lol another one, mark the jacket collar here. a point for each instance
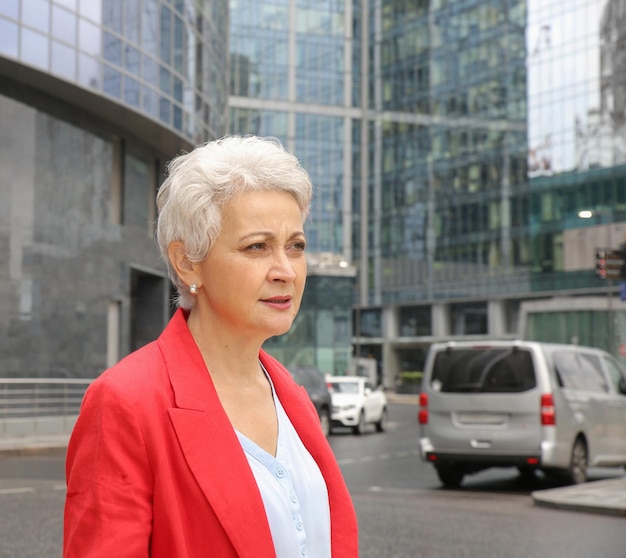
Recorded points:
(210, 446)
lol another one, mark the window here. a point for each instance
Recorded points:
(483, 370)
(138, 191)
(579, 371)
(415, 320)
(147, 307)
(618, 379)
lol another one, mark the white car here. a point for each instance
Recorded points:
(356, 403)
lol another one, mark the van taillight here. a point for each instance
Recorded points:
(548, 414)
(422, 414)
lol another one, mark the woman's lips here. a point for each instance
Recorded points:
(279, 302)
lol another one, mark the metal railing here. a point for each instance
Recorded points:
(39, 405)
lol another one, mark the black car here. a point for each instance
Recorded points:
(313, 381)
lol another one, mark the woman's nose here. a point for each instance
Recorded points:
(283, 268)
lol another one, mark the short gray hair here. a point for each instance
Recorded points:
(199, 184)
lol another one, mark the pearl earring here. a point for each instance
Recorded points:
(193, 289)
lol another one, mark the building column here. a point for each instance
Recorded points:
(440, 315)
(390, 365)
(496, 317)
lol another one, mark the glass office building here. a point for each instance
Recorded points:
(95, 97)
(291, 78)
(453, 145)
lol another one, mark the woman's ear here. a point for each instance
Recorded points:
(180, 262)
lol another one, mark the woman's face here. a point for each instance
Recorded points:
(253, 277)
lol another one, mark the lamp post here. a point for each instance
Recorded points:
(588, 214)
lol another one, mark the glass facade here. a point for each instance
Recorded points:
(290, 82)
(321, 333)
(452, 167)
(259, 49)
(451, 145)
(291, 67)
(452, 153)
(165, 59)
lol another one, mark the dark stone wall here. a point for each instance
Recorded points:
(63, 258)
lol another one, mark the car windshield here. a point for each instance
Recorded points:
(484, 369)
(345, 387)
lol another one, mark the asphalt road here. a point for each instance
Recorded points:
(403, 512)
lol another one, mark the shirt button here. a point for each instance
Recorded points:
(293, 497)
(299, 525)
(280, 472)
(303, 550)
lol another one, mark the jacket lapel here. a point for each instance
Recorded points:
(210, 445)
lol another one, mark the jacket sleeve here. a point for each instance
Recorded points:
(108, 507)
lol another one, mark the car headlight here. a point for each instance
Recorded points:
(339, 408)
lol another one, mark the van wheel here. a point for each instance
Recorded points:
(577, 471)
(359, 428)
(451, 476)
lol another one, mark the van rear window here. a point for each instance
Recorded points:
(484, 370)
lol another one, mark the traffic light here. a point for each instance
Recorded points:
(622, 269)
(611, 264)
(601, 263)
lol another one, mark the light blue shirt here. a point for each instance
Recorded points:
(294, 493)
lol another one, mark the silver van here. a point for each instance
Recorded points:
(536, 406)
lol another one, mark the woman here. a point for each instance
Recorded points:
(200, 444)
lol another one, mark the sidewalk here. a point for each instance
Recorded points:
(29, 445)
(607, 497)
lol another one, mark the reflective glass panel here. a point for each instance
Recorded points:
(131, 92)
(63, 25)
(91, 9)
(90, 37)
(36, 13)
(8, 38)
(70, 4)
(9, 8)
(89, 71)
(112, 81)
(34, 49)
(63, 60)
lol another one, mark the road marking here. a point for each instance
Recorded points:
(59, 487)
(22, 490)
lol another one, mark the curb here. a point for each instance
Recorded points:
(32, 451)
(36, 445)
(605, 497)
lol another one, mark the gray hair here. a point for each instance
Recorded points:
(201, 182)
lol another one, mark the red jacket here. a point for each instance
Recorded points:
(155, 469)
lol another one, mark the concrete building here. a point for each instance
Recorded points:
(95, 97)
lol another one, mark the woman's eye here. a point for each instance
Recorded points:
(256, 246)
(301, 245)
